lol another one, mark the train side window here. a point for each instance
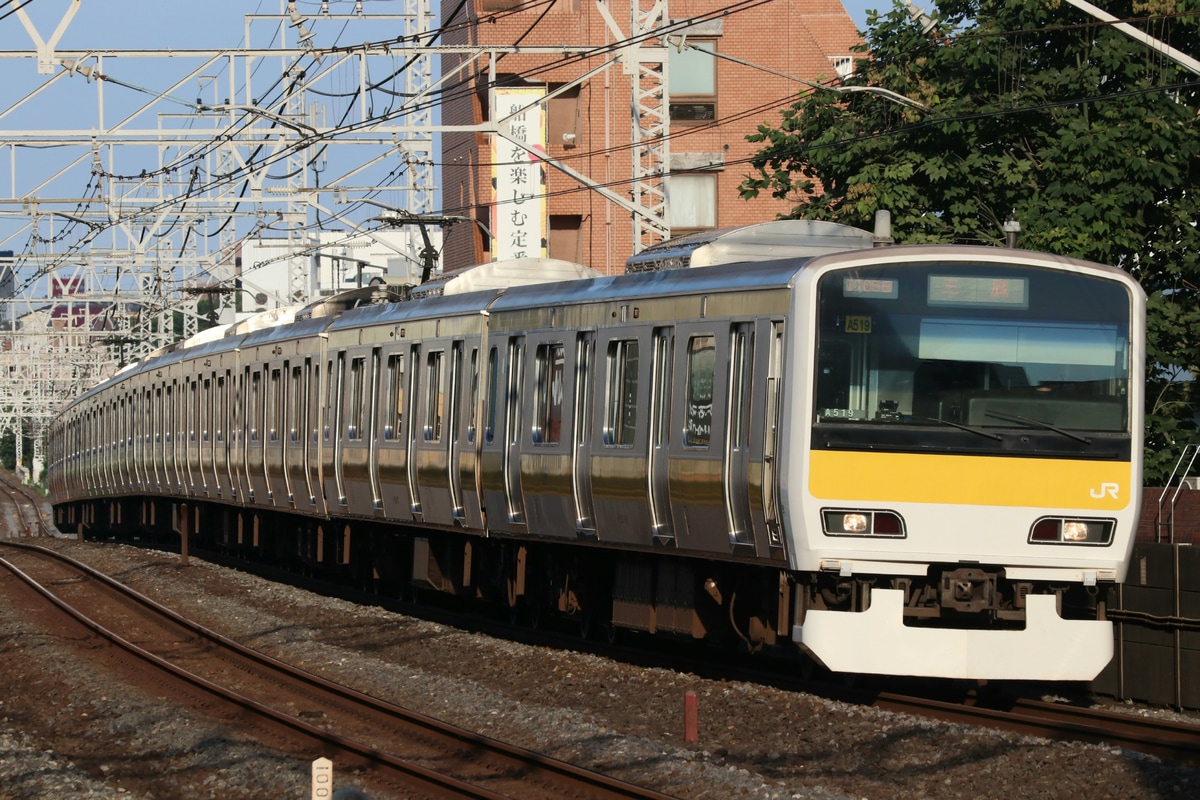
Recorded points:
(255, 405)
(489, 413)
(701, 364)
(434, 398)
(296, 405)
(474, 393)
(354, 409)
(313, 393)
(549, 394)
(223, 409)
(620, 413)
(274, 399)
(395, 419)
(169, 407)
(193, 400)
(205, 406)
(334, 402)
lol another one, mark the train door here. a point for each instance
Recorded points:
(294, 425)
(470, 491)
(333, 430)
(140, 422)
(697, 453)
(221, 475)
(207, 450)
(256, 491)
(736, 466)
(434, 440)
(546, 486)
(581, 475)
(414, 430)
(174, 485)
(310, 383)
(237, 436)
(453, 419)
(122, 483)
(357, 408)
(132, 437)
(770, 438)
(391, 457)
(619, 473)
(190, 398)
(512, 431)
(275, 442)
(658, 461)
(491, 443)
(137, 421)
(373, 432)
(156, 444)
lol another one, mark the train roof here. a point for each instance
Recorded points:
(725, 277)
(763, 241)
(503, 275)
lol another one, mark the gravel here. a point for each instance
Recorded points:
(68, 730)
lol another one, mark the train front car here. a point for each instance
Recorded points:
(968, 488)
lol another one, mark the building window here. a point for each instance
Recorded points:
(692, 82)
(692, 202)
(843, 65)
(565, 239)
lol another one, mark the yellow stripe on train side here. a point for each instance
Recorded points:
(970, 480)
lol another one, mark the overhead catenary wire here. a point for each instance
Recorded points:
(254, 165)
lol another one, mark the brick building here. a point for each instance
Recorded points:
(714, 104)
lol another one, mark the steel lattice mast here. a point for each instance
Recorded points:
(114, 221)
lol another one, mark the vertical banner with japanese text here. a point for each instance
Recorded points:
(519, 220)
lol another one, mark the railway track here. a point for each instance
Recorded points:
(1173, 741)
(1163, 738)
(27, 506)
(286, 705)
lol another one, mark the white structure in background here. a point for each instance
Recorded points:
(334, 261)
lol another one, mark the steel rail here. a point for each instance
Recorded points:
(564, 778)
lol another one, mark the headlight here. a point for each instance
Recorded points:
(1058, 530)
(854, 523)
(862, 522)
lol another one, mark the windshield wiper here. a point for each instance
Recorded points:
(961, 427)
(1037, 423)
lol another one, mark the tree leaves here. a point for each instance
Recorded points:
(1089, 138)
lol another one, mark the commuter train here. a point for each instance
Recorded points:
(902, 460)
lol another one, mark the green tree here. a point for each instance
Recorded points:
(1037, 112)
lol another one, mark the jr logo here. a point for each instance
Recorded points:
(1110, 489)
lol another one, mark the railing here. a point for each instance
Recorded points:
(1167, 524)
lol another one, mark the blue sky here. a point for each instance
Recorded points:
(858, 9)
(215, 23)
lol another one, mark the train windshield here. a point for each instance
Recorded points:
(977, 347)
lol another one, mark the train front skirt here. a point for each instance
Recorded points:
(1049, 648)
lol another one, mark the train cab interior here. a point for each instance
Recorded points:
(881, 360)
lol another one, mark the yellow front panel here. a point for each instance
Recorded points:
(970, 480)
